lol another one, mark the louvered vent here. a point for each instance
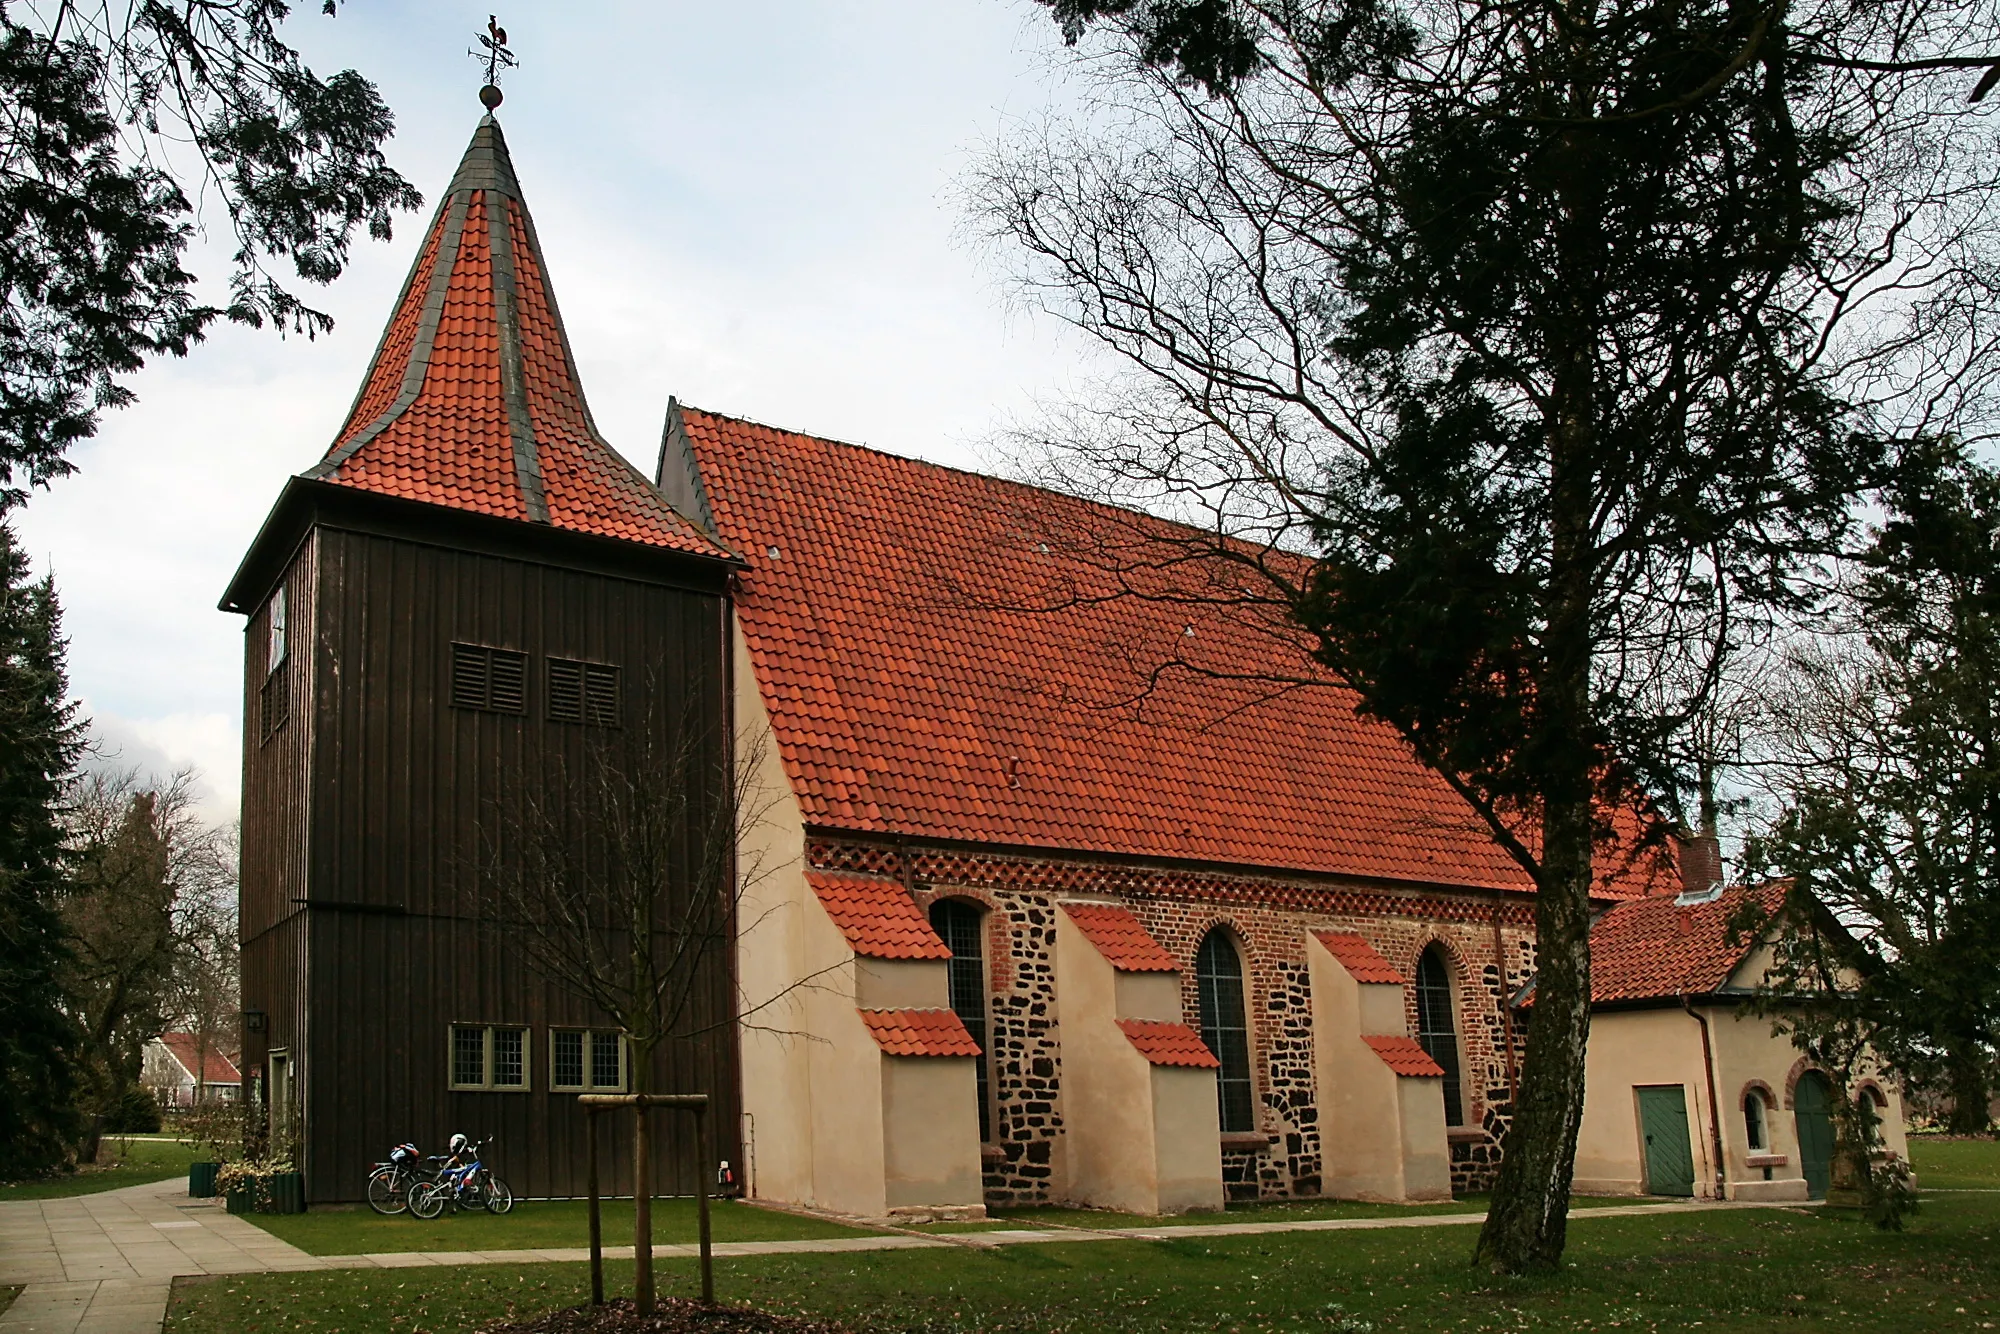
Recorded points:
(275, 702)
(565, 691)
(584, 692)
(491, 679)
(600, 695)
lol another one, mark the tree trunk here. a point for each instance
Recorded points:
(1527, 1225)
(1969, 1091)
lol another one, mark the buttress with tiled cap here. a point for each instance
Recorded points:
(473, 400)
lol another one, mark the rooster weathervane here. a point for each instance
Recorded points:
(497, 58)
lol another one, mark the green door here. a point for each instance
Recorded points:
(1812, 1104)
(1663, 1118)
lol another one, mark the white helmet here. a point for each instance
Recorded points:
(458, 1143)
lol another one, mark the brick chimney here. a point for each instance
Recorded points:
(1701, 864)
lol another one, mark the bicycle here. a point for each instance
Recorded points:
(470, 1185)
(390, 1183)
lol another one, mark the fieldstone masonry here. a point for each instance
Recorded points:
(1487, 937)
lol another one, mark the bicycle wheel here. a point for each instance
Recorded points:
(499, 1199)
(427, 1199)
(389, 1191)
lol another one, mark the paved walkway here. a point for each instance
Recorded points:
(105, 1263)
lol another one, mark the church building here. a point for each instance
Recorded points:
(1053, 881)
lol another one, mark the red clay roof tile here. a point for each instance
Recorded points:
(187, 1048)
(439, 418)
(1655, 948)
(938, 663)
(920, 1033)
(1359, 958)
(1120, 939)
(1405, 1056)
(1169, 1044)
(878, 916)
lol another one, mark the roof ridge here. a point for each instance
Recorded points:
(1013, 483)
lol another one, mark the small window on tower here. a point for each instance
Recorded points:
(276, 656)
(585, 1060)
(493, 680)
(489, 1056)
(584, 692)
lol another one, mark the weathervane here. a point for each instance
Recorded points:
(497, 57)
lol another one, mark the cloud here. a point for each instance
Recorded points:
(744, 205)
(209, 744)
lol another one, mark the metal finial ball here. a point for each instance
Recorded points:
(489, 97)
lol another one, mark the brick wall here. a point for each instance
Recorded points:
(1488, 939)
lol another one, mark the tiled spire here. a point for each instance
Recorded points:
(473, 399)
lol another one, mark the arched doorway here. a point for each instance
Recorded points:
(1812, 1111)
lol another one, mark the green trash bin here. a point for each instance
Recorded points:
(201, 1180)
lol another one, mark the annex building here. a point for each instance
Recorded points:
(1054, 881)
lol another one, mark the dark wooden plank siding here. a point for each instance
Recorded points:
(405, 819)
(273, 870)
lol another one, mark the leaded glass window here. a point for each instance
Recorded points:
(1225, 1027)
(961, 926)
(1437, 1028)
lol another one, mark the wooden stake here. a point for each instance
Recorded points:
(596, 1219)
(642, 1212)
(701, 1202)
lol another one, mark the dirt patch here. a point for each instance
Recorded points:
(670, 1316)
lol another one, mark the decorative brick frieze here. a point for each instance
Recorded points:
(1488, 940)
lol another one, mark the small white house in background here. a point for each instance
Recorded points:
(176, 1066)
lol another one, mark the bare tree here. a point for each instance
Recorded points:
(621, 883)
(150, 891)
(1521, 355)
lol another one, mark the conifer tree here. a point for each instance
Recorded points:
(40, 740)
(1882, 751)
(1519, 353)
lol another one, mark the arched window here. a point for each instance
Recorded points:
(1756, 1122)
(1874, 1106)
(961, 926)
(1225, 1027)
(1437, 1027)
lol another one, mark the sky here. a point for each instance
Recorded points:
(753, 206)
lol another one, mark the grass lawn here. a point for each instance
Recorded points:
(137, 1161)
(533, 1225)
(1962, 1164)
(1735, 1272)
(8, 1292)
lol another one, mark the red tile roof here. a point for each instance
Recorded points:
(1655, 948)
(473, 399)
(878, 916)
(186, 1049)
(1359, 958)
(920, 1033)
(939, 663)
(1405, 1056)
(1169, 1044)
(1120, 939)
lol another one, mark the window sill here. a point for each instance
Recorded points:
(1464, 1134)
(1766, 1160)
(992, 1153)
(1247, 1140)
